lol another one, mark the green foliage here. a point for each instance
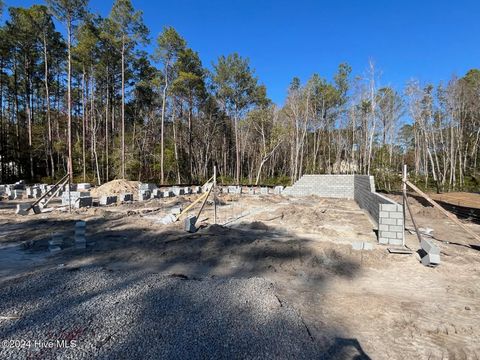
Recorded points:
(236, 85)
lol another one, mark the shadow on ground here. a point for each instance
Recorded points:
(143, 293)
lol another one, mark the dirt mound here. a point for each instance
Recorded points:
(116, 187)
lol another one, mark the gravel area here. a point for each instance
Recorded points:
(133, 315)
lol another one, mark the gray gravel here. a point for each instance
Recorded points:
(132, 315)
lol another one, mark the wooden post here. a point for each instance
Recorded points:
(214, 194)
(69, 195)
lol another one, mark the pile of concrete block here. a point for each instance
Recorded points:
(432, 257)
(264, 190)
(196, 189)
(278, 190)
(108, 200)
(79, 237)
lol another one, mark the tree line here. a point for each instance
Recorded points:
(94, 104)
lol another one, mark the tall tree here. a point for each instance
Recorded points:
(237, 89)
(129, 29)
(169, 45)
(68, 12)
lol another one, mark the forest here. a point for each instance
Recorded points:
(88, 100)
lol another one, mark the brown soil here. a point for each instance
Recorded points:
(390, 305)
(116, 187)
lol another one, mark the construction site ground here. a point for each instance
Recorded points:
(276, 278)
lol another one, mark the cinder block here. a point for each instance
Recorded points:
(22, 209)
(383, 227)
(144, 194)
(383, 214)
(396, 215)
(189, 223)
(367, 246)
(431, 260)
(357, 245)
(388, 207)
(178, 191)
(388, 234)
(147, 186)
(395, 228)
(400, 222)
(108, 200)
(388, 221)
(382, 240)
(82, 202)
(126, 197)
(429, 247)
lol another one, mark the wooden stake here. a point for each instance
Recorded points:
(446, 213)
(214, 194)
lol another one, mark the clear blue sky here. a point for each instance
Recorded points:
(424, 39)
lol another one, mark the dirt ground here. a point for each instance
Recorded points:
(369, 304)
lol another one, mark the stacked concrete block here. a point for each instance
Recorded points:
(17, 194)
(81, 202)
(83, 186)
(387, 214)
(178, 191)
(235, 190)
(55, 243)
(432, 257)
(79, 237)
(156, 194)
(278, 190)
(329, 186)
(147, 186)
(144, 194)
(33, 192)
(196, 189)
(251, 191)
(264, 190)
(108, 200)
(126, 197)
(187, 190)
(167, 193)
(72, 196)
(70, 187)
(390, 224)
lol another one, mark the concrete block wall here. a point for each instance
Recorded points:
(385, 213)
(332, 186)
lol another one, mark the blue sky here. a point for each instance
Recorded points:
(428, 40)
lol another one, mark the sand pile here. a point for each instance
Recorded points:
(116, 187)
